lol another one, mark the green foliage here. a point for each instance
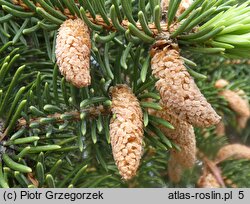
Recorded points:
(237, 171)
(46, 124)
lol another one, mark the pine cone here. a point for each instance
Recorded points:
(236, 151)
(236, 103)
(183, 135)
(126, 130)
(73, 48)
(178, 90)
(175, 171)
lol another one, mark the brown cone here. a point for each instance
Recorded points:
(73, 48)
(175, 171)
(236, 102)
(126, 130)
(236, 151)
(178, 90)
(183, 135)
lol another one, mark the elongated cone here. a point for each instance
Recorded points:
(183, 135)
(175, 171)
(126, 130)
(73, 48)
(236, 102)
(178, 90)
(236, 151)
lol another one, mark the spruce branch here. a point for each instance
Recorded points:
(92, 112)
(198, 27)
(98, 20)
(66, 144)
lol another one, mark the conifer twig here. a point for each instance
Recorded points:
(100, 21)
(92, 113)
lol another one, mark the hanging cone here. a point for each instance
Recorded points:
(126, 130)
(73, 48)
(236, 151)
(178, 90)
(236, 102)
(175, 171)
(183, 136)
